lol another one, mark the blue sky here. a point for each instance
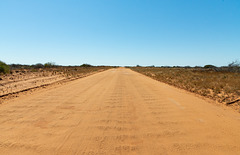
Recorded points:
(120, 32)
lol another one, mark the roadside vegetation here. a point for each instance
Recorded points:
(4, 68)
(219, 83)
(12, 71)
(16, 78)
(50, 67)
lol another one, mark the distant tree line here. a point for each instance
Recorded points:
(40, 65)
(231, 67)
(5, 68)
(34, 66)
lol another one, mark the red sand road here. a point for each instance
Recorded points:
(117, 111)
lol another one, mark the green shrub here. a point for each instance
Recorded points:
(209, 66)
(86, 65)
(4, 68)
(38, 65)
(49, 64)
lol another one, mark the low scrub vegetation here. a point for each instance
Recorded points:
(4, 68)
(50, 67)
(221, 84)
(20, 78)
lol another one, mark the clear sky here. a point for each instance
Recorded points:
(120, 32)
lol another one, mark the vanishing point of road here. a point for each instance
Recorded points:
(117, 111)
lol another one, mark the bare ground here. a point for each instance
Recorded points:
(24, 80)
(117, 111)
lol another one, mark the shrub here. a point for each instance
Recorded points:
(209, 66)
(86, 65)
(38, 65)
(234, 66)
(49, 64)
(4, 68)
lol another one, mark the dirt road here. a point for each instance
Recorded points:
(117, 111)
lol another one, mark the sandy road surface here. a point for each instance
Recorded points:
(116, 111)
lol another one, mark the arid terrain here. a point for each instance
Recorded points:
(219, 84)
(117, 111)
(20, 80)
